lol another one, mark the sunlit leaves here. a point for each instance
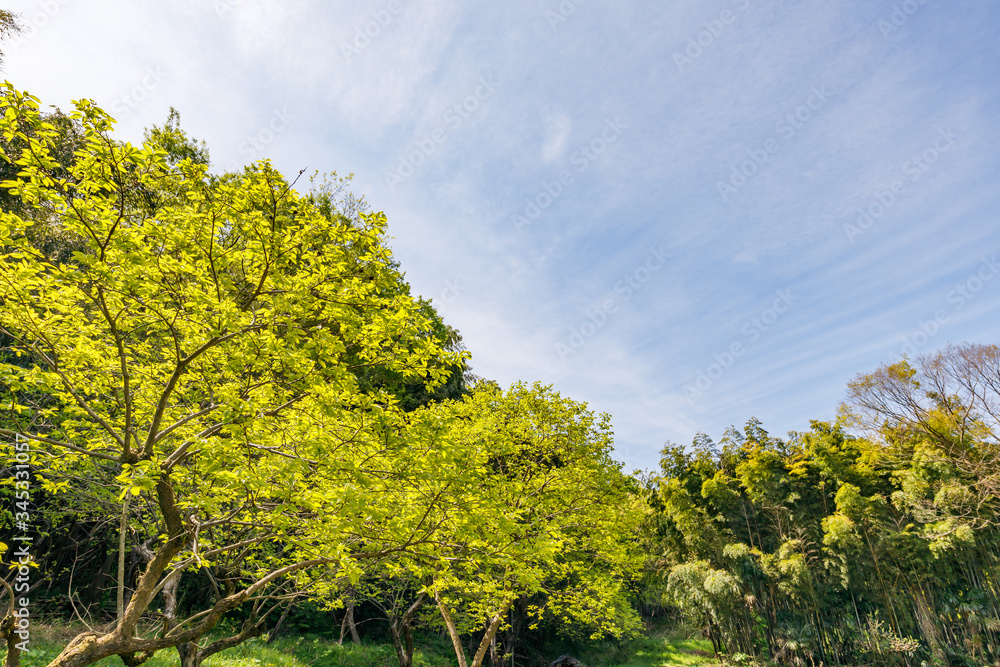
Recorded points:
(202, 344)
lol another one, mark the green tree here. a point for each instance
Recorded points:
(175, 142)
(8, 26)
(530, 516)
(546, 514)
(203, 351)
(940, 414)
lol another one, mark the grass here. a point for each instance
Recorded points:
(663, 652)
(656, 651)
(47, 641)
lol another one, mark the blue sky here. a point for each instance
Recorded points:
(686, 214)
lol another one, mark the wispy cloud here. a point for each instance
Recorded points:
(808, 111)
(557, 131)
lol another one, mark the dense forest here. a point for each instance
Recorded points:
(225, 416)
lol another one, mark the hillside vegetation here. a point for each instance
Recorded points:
(230, 435)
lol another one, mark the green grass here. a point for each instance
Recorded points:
(47, 642)
(431, 652)
(653, 652)
(663, 652)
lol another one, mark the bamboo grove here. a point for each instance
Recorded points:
(836, 549)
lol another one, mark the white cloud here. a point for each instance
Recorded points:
(557, 131)
(655, 185)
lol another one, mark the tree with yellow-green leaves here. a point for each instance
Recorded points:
(527, 517)
(208, 346)
(940, 411)
(537, 520)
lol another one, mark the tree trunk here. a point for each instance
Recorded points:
(449, 623)
(7, 631)
(196, 655)
(401, 629)
(343, 628)
(122, 528)
(711, 635)
(89, 647)
(277, 626)
(404, 657)
(519, 619)
(349, 621)
(928, 626)
(92, 594)
(484, 643)
(491, 632)
(188, 653)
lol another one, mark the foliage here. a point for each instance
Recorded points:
(236, 407)
(813, 549)
(203, 349)
(532, 519)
